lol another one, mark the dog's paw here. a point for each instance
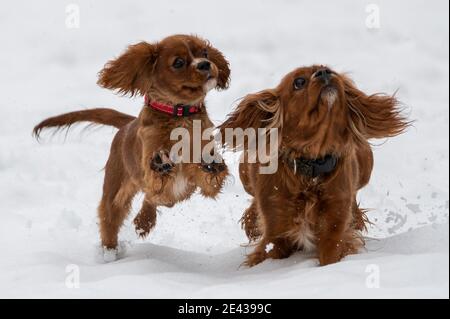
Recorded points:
(110, 255)
(161, 163)
(214, 167)
(331, 251)
(249, 223)
(143, 226)
(255, 258)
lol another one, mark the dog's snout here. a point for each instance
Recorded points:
(204, 66)
(324, 75)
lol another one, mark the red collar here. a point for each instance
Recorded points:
(179, 110)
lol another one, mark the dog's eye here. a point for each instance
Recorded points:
(299, 83)
(178, 63)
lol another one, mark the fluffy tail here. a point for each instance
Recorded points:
(96, 116)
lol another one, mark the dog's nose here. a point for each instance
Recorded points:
(204, 66)
(324, 75)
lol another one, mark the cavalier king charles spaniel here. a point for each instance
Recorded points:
(324, 158)
(174, 75)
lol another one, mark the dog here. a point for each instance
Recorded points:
(174, 75)
(324, 158)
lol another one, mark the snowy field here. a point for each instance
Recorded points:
(49, 191)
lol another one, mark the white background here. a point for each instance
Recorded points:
(49, 191)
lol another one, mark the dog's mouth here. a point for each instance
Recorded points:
(209, 84)
(329, 94)
(192, 89)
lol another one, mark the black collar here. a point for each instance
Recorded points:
(313, 167)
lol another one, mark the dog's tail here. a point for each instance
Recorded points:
(96, 116)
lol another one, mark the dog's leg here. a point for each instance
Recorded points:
(155, 161)
(118, 192)
(210, 178)
(360, 219)
(275, 248)
(275, 222)
(161, 162)
(249, 222)
(112, 212)
(336, 236)
(146, 219)
(158, 171)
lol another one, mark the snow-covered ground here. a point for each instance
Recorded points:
(49, 191)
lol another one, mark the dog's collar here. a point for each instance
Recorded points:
(179, 110)
(313, 167)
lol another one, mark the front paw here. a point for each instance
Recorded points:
(110, 255)
(255, 258)
(161, 163)
(330, 252)
(143, 225)
(214, 167)
(249, 222)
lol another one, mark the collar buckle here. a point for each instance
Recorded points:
(179, 110)
(183, 110)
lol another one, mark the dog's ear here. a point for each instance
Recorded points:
(258, 110)
(373, 116)
(131, 72)
(222, 64)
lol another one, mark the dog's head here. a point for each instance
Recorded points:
(178, 69)
(319, 111)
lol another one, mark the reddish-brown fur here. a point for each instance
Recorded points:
(147, 69)
(290, 211)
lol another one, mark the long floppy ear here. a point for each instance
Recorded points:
(258, 110)
(131, 72)
(373, 116)
(222, 64)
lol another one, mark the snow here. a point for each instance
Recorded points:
(49, 191)
(269, 247)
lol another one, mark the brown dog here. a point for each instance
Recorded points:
(174, 75)
(324, 124)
